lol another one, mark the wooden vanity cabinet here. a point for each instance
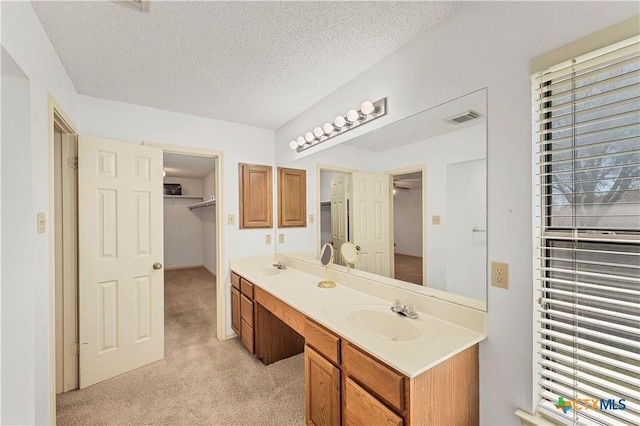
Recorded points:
(246, 314)
(322, 376)
(322, 389)
(372, 393)
(235, 303)
(292, 198)
(256, 196)
(346, 385)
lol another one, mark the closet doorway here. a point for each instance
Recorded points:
(193, 237)
(193, 231)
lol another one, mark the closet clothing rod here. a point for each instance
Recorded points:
(207, 203)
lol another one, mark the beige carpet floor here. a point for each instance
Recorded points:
(201, 381)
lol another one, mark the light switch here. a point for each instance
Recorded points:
(230, 219)
(41, 223)
(311, 218)
(281, 239)
(267, 239)
(435, 220)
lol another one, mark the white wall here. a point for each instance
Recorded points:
(208, 216)
(183, 228)
(483, 45)
(18, 310)
(466, 212)
(26, 41)
(407, 222)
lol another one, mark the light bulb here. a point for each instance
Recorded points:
(367, 107)
(293, 144)
(328, 128)
(353, 115)
(339, 122)
(300, 140)
(318, 132)
(309, 136)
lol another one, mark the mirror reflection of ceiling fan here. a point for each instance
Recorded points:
(400, 188)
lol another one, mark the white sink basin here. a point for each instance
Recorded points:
(379, 321)
(271, 270)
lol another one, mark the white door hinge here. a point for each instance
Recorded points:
(75, 349)
(73, 162)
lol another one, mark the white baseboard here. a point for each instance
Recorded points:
(210, 271)
(174, 268)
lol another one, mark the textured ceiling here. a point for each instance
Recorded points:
(256, 63)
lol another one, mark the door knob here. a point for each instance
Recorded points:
(157, 265)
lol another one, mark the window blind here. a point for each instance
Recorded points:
(586, 114)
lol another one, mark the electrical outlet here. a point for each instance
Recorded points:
(230, 219)
(41, 223)
(500, 274)
(281, 239)
(435, 220)
(267, 239)
(311, 219)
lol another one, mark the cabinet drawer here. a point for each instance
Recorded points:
(246, 288)
(375, 376)
(246, 310)
(322, 341)
(362, 408)
(235, 280)
(281, 310)
(246, 334)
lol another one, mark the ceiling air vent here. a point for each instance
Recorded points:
(461, 118)
(139, 5)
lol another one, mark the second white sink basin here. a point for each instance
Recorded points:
(381, 322)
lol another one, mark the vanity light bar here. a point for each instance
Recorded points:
(368, 111)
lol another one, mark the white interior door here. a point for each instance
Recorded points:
(371, 221)
(121, 294)
(339, 215)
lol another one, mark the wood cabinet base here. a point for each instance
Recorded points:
(275, 340)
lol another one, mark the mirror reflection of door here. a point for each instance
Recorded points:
(359, 211)
(408, 227)
(339, 214)
(369, 221)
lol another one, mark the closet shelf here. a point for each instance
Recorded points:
(185, 197)
(202, 204)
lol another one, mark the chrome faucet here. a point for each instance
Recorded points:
(279, 265)
(408, 311)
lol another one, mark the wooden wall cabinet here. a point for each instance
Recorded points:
(292, 198)
(256, 196)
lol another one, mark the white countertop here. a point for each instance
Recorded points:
(329, 307)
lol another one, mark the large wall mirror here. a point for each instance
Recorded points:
(411, 196)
